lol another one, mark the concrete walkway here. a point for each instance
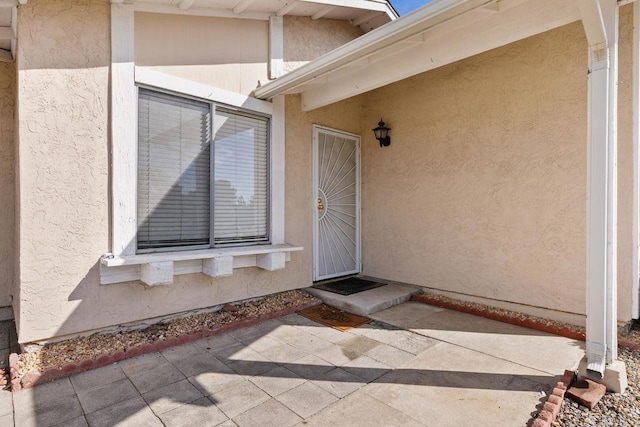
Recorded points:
(416, 365)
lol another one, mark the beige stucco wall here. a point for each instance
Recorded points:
(7, 181)
(230, 54)
(483, 189)
(64, 186)
(307, 39)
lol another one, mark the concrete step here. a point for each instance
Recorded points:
(367, 302)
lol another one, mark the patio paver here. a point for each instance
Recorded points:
(415, 365)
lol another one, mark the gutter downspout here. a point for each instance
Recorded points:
(600, 19)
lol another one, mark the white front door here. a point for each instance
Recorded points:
(336, 213)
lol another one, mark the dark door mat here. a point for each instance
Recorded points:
(334, 318)
(349, 286)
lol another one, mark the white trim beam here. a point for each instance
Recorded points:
(197, 11)
(288, 7)
(355, 4)
(600, 20)
(276, 46)
(123, 130)
(277, 171)
(471, 34)
(186, 4)
(242, 6)
(322, 12)
(365, 17)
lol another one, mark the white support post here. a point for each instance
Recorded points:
(600, 19)
(123, 130)
(278, 171)
(635, 287)
(276, 46)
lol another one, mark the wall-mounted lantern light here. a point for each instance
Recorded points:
(382, 134)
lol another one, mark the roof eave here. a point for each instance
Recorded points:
(428, 16)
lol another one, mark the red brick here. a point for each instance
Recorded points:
(539, 422)
(133, 352)
(69, 368)
(50, 375)
(103, 360)
(556, 400)
(118, 356)
(546, 415)
(553, 409)
(586, 392)
(568, 377)
(30, 379)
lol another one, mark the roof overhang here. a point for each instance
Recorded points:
(367, 14)
(8, 29)
(438, 34)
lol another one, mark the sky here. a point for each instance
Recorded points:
(405, 6)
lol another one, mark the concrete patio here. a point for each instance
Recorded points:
(416, 365)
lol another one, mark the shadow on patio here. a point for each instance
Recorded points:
(407, 370)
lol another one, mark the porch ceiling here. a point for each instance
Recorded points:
(438, 34)
(367, 14)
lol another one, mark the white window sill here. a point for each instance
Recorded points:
(160, 268)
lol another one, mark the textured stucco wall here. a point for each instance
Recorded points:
(231, 54)
(7, 181)
(307, 39)
(300, 198)
(63, 190)
(625, 166)
(483, 189)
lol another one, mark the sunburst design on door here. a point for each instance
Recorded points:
(337, 184)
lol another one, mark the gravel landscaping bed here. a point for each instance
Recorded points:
(613, 409)
(76, 350)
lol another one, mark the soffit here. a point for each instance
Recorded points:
(367, 14)
(435, 35)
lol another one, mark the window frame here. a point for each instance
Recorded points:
(122, 264)
(212, 108)
(124, 155)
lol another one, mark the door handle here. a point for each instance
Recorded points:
(319, 203)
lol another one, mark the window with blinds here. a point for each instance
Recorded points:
(241, 177)
(179, 175)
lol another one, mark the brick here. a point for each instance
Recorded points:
(568, 377)
(538, 422)
(546, 416)
(553, 409)
(30, 379)
(586, 392)
(117, 356)
(555, 400)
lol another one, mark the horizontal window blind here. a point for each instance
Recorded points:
(241, 172)
(173, 171)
